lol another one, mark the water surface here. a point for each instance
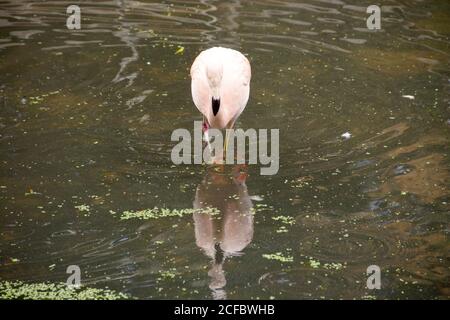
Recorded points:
(85, 123)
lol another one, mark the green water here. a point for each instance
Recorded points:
(85, 123)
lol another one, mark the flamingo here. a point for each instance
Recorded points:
(220, 86)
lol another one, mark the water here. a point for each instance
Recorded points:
(86, 118)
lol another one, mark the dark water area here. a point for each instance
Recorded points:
(86, 118)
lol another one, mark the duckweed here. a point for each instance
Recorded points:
(39, 99)
(333, 266)
(279, 257)
(157, 213)
(315, 264)
(282, 229)
(167, 274)
(83, 208)
(285, 219)
(10, 290)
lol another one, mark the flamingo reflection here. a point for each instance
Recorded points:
(229, 233)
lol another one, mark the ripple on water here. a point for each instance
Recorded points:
(63, 233)
(348, 247)
(306, 283)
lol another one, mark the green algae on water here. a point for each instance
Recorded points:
(278, 256)
(315, 264)
(39, 99)
(333, 266)
(168, 274)
(282, 229)
(285, 219)
(83, 208)
(260, 207)
(157, 213)
(13, 290)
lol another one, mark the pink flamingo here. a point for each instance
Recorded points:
(220, 87)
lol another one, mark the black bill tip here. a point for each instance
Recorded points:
(215, 105)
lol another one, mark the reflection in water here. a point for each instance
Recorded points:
(125, 35)
(230, 232)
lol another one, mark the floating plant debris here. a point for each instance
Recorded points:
(285, 219)
(39, 99)
(279, 257)
(316, 264)
(157, 213)
(167, 274)
(180, 50)
(83, 208)
(54, 291)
